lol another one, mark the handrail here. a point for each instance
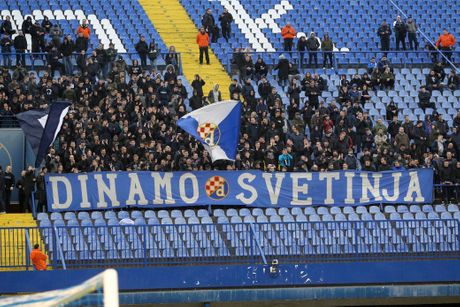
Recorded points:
(259, 247)
(297, 54)
(59, 248)
(28, 250)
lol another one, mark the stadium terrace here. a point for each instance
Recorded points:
(153, 189)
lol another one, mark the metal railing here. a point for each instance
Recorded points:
(345, 59)
(242, 243)
(40, 60)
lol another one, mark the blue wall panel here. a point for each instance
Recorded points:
(205, 277)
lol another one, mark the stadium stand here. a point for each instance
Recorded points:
(228, 235)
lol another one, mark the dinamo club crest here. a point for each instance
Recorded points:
(217, 188)
(209, 133)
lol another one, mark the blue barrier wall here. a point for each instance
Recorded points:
(207, 277)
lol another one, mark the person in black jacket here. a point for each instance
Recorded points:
(384, 32)
(20, 45)
(41, 194)
(283, 70)
(29, 185)
(447, 179)
(209, 24)
(197, 85)
(226, 20)
(46, 24)
(2, 189)
(420, 137)
(453, 81)
(81, 44)
(424, 97)
(27, 25)
(301, 48)
(6, 27)
(66, 49)
(313, 46)
(400, 32)
(9, 185)
(142, 49)
(5, 44)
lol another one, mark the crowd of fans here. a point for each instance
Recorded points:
(124, 117)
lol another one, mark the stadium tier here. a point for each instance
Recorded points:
(164, 236)
(352, 25)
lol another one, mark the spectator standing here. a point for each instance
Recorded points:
(197, 85)
(202, 39)
(9, 182)
(384, 32)
(110, 57)
(66, 49)
(85, 32)
(26, 26)
(283, 70)
(153, 54)
(313, 46)
(400, 32)
(6, 44)
(288, 33)
(6, 27)
(2, 191)
(209, 24)
(142, 49)
(327, 46)
(20, 45)
(56, 35)
(301, 48)
(28, 186)
(38, 258)
(412, 33)
(81, 44)
(226, 20)
(46, 24)
(446, 43)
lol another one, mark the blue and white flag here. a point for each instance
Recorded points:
(41, 127)
(217, 127)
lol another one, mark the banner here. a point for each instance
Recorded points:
(115, 190)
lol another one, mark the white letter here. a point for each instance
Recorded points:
(110, 191)
(247, 187)
(68, 189)
(84, 191)
(395, 196)
(183, 195)
(329, 176)
(273, 193)
(414, 187)
(367, 186)
(162, 183)
(296, 188)
(135, 188)
(349, 200)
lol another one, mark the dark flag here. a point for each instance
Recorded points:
(41, 127)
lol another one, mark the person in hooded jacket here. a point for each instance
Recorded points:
(27, 25)
(283, 70)
(312, 47)
(20, 45)
(301, 48)
(327, 46)
(66, 49)
(142, 49)
(6, 27)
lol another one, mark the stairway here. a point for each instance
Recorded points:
(177, 29)
(12, 240)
